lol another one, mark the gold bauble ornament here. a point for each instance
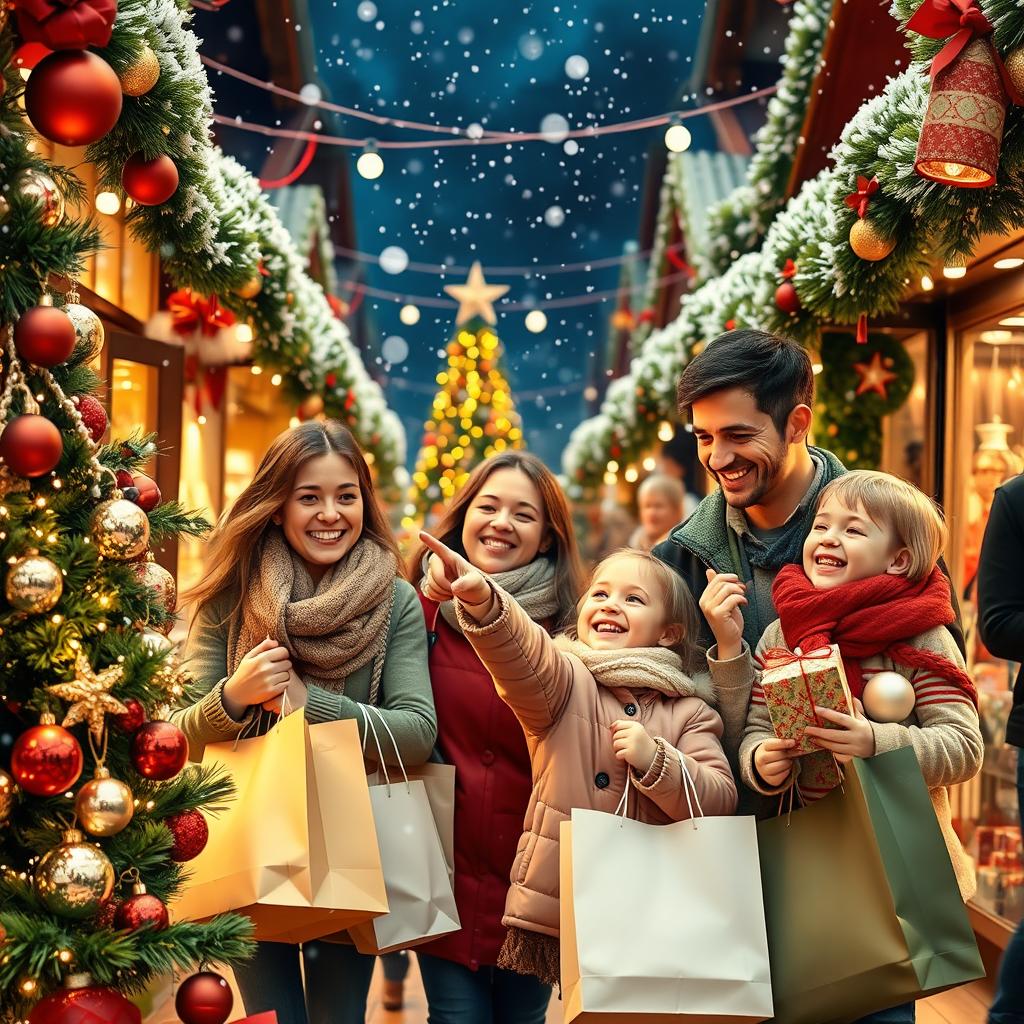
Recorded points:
(251, 288)
(88, 332)
(5, 208)
(120, 530)
(41, 189)
(157, 578)
(34, 584)
(888, 697)
(75, 878)
(868, 243)
(1014, 64)
(141, 75)
(8, 791)
(105, 805)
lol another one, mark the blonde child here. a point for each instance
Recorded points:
(870, 584)
(615, 699)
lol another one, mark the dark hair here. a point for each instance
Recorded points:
(775, 371)
(563, 553)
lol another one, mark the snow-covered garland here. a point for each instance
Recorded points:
(737, 224)
(218, 230)
(930, 221)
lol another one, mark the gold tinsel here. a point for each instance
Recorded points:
(868, 243)
(141, 75)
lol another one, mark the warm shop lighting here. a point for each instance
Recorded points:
(678, 138)
(996, 337)
(536, 321)
(110, 202)
(927, 284)
(817, 368)
(665, 431)
(409, 315)
(243, 333)
(954, 273)
(610, 478)
(1012, 321)
(613, 466)
(631, 475)
(276, 380)
(650, 464)
(370, 165)
(256, 370)
(1009, 263)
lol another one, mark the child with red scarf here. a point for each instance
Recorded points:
(868, 583)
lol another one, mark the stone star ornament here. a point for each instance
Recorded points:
(476, 297)
(874, 376)
(90, 695)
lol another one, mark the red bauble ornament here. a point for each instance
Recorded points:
(190, 833)
(107, 913)
(124, 479)
(73, 97)
(94, 416)
(133, 718)
(46, 760)
(159, 750)
(149, 182)
(44, 336)
(81, 1002)
(787, 299)
(142, 909)
(149, 493)
(204, 998)
(31, 445)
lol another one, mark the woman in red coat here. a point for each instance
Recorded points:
(510, 520)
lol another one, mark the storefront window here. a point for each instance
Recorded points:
(907, 435)
(133, 391)
(988, 449)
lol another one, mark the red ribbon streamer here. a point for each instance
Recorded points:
(865, 190)
(789, 270)
(862, 329)
(297, 171)
(191, 313)
(963, 21)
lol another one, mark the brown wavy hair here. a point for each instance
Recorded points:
(563, 551)
(233, 551)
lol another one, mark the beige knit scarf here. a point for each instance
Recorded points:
(532, 585)
(639, 668)
(332, 628)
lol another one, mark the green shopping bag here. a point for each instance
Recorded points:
(862, 906)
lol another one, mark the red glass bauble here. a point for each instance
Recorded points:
(132, 718)
(94, 416)
(92, 1004)
(159, 750)
(204, 998)
(141, 910)
(73, 97)
(787, 299)
(149, 493)
(44, 336)
(46, 760)
(105, 917)
(190, 833)
(31, 445)
(149, 182)
(124, 479)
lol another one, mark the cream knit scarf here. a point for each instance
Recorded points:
(639, 668)
(330, 629)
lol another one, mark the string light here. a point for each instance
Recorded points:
(665, 431)
(677, 137)
(409, 314)
(631, 474)
(108, 202)
(927, 284)
(370, 164)
(650, 464)
(536, 321)
(953, 272)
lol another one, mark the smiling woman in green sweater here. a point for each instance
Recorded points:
(304, 605)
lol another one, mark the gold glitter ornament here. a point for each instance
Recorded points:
(868, 243)
(34, 584)
(88, 332)
(42, 190)
(90, 693)
(1014, 64)
(105, 805)
(142, 74)
(251, 288)
(120, 530)
(8, 791)
(75, 878)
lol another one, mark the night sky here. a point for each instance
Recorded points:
(503, 66)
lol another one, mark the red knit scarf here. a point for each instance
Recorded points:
(869, 617)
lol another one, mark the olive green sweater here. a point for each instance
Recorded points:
(406, 699)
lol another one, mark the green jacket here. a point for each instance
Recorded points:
(406, 699)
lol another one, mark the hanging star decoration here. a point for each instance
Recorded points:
(89, 693)
(475, 297)
(875, 375)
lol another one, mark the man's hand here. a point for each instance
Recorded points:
(633, 744)
(774, 762)
(450, 575)
(721, 603)
(854, 736)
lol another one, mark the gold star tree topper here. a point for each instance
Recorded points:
(90, 696)
(475, 297)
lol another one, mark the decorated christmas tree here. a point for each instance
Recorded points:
(98, 813)
(473, 414)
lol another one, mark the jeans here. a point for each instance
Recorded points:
(337, 982)
(905, 1014)
(490, 995)
(1009, 1005)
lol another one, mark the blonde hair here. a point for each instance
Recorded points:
(667, 486)
(680, 607)
(890, 501)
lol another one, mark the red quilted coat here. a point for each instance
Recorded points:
(479, 734)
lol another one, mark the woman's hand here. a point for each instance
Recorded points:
(774, 762)
(263, 674)
(633, 744)
(450, 575)
(854, 736)
(721, 603)
(293, 697)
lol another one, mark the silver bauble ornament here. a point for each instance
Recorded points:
(154, 642)
(120, 530)
(34, 584)
(157, 578)
(105, 805)
(42, 190)
(888, 697)
(88, 332)
(8, 791)
(75, 878)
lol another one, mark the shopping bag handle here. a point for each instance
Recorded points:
(689, 786)
(369, 727)
(622, 810)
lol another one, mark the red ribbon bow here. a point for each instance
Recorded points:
(66, 24)
(963, 21)
(865, 190)
(191, 313)
(789, 270)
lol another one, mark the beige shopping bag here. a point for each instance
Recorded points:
(296, 849)
(421, 900)
(662, 923)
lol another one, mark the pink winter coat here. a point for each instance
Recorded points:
(567, 716)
